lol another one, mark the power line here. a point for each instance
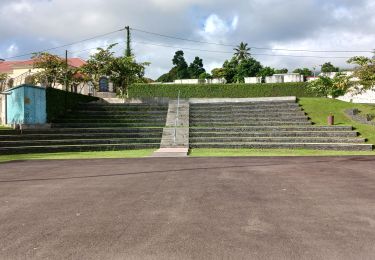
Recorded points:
(230, 52)
(253, 47)
(66, 45)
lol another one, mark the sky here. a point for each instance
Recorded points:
(269, 25)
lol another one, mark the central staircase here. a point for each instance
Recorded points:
(93, 127)
(265, 124)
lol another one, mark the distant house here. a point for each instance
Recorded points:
(18, 71)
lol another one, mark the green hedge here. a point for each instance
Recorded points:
(59, 101)
(220, 90)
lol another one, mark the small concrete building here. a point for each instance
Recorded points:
(189, 81)
(216, 81)
(277, 78)
(285, 78)
(293, 77)
(253, 80)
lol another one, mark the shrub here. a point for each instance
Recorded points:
(59, 101)
(220, 90)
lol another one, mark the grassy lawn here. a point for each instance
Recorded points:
(271, 152)
(79, 155)
(318, 110)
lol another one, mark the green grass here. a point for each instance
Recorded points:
(271, 152)
(318, 109)
(79, 155)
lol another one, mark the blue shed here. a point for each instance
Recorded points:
(26, 105)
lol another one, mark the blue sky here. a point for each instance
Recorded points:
(32, 25)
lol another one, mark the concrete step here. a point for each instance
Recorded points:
(95, 130)
(249, 123)
(78, 142)
(247, 118)
(270, 128)
(97, 125)
(112, 120)
(275, 134)
(79, 136)
(121, 108)
(76, 148)
(115, 113)
(247, 113)
(116, 116)
(193, 140)
(315, 146)
(231, 105)
(261, 108)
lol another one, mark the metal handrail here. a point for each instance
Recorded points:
(176, 119)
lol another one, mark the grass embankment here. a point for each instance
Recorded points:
(79, 155)
(318, 109)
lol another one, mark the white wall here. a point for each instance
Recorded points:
(253, 80)
(366, 97)
(189, 81)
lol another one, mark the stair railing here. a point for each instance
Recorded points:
(176, 119)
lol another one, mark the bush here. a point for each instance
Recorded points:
(220, 90)
(59, 101)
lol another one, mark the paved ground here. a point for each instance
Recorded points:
(189, 208)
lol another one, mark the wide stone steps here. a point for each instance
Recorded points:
(248, 123)
(95, 128)
(77, 142)
(247, 118)
(77, 148)
(275, 140)
(277, 145)
(60, 136)
(270, 128)
(265, 125)
(96, 125)
(275, 134)
(111, 120)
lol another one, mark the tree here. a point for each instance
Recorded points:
(281, 71)
(266, 72)
(247, 68)
(325, 86)
(328, 67)
(196, 68)
(126, 71)
(181, 65)
(52, 67)
(218, 73)
(205, 75)
(305, 72)
(99, 65)
(230, 70)
(365, 72)
(242, 52)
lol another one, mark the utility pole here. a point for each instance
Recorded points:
(66, 70)
(128, 51)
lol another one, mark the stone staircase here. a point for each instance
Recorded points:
(93, 127)
(267, 124)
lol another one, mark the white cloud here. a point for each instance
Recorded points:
(12, 50)
(31, 25)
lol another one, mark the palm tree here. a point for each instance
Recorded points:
(242, 51)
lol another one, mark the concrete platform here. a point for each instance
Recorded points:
(189, 208)
(171, 152)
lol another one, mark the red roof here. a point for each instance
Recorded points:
(8, 66)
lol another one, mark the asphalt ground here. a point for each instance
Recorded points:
(189, 208)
